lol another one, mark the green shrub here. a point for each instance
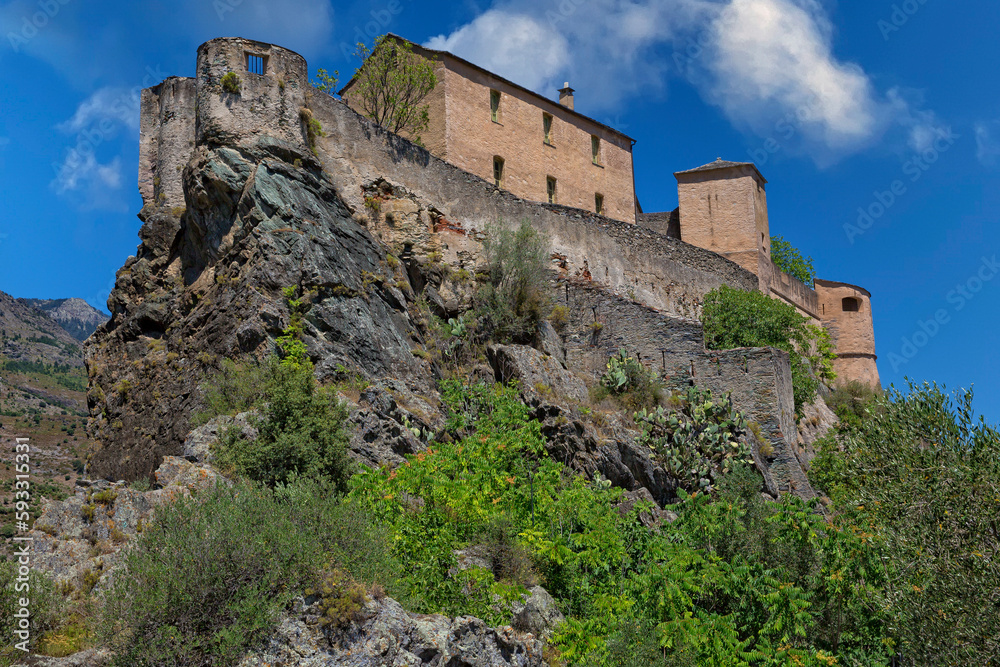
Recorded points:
(46, 606)
(789, 259)
(231, 83)
(300, 433)
(921, 475)
(210, 574)
(734, 318)
(236, 387)
(341, 598)
(851, 401)
(515, 296)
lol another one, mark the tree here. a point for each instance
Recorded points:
(789, 259)
(734, 318)
(391, 84)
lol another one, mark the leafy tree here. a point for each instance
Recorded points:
(734, 318)
(325, 81)
(391, 83)
(514, 298)
(920, 477)
(789, 259)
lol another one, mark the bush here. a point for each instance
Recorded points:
(789, 259)
(300, 432)
(734, 318)
(699, 443)
(236, 388)
(210, 574)
(921, 476)
(46, 606)
(514, 299)
(851, 401)
(231, 83)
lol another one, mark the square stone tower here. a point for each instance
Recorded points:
(723, 208)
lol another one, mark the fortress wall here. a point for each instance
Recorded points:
(666, 223)
(166, 140)
(759, 379)
(795, 292)
(665, 273)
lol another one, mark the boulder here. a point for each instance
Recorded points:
(537, 613)
(386, 635)
(198, 444)
(542, 377)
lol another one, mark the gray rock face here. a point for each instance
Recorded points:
(86, 531)
(538, 613)
(90, 658)
(198, 444)
(207, 283)
(388, 636)
(541, 377)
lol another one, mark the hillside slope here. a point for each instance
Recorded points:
(76, 316)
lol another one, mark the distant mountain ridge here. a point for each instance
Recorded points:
(32, 335)
(76, 316)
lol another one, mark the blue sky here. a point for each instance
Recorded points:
(887, 108)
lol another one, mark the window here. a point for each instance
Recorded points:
(495, 106)
(599, 203)
(595, 149)
(255, 64)
(851, 305)
(550, 187)
(498, 171)
(547, 127)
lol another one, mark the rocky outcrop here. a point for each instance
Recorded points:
(77, 540)
(206, 283)
(388, 636)
(537, 613)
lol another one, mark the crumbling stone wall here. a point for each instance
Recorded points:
(759, 379)
(665, 273)
(166, 140)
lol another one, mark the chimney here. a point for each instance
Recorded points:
(566, 96)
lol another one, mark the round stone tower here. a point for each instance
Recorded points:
(264, 90)
(846, 312)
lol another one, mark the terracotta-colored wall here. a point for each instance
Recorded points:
(474, 139)
(725, 210)
(853, 333)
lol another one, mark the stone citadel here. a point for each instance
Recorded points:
(627, 278)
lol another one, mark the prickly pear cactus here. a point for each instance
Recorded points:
(697, 443)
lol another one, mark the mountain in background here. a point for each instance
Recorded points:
(76, 316)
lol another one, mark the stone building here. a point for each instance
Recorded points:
(723, 208)
(534, 147)
(719, 233)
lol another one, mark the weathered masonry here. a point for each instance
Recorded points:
(723, 208)
(534, 147)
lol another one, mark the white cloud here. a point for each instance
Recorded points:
(82, 171)
(105, 108)
(988, 142)
(759, 61)
(514, 46)
(770, 57)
